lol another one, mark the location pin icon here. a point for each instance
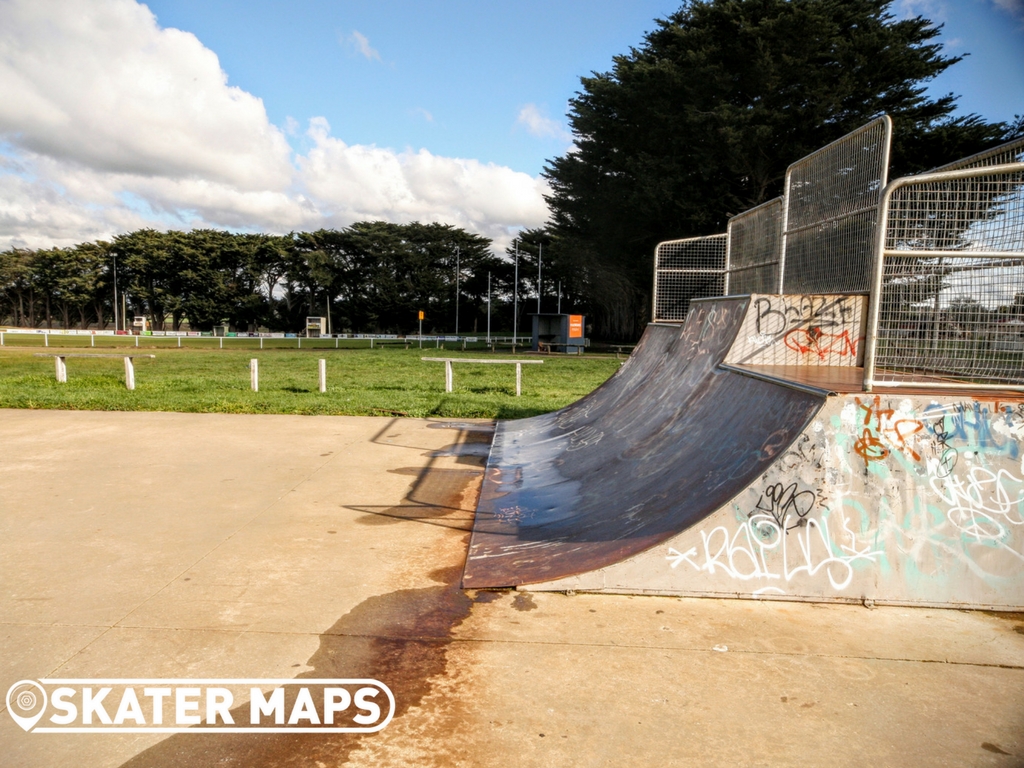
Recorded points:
(23, 700)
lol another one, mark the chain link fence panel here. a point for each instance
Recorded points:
(1004, 154)
(687, 269)
(831, 212)
(754, 249)
(949, 290)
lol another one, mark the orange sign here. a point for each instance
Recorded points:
(421, 314)
(575, 326)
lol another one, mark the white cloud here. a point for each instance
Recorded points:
(362, 46)
(100, 84)
(423, 113)
(1013, 7)
(352, 182)
(536, 124)
(109, 123)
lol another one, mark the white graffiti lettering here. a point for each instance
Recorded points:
(744, 554)
(979, 503)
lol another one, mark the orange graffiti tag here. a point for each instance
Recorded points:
(879, 422)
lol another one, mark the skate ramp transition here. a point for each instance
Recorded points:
(690, 473)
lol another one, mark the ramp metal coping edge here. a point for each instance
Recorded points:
(808, 388)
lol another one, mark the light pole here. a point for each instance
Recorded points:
(515, 302)
(456, 290)
(540, 259)
(488, 308)
(116, 329)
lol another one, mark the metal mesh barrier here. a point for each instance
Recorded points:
(754, 250)
(948, 305)
(687, 269)
(1004, 154)
(832, 198)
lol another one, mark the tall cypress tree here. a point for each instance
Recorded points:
(700, 122)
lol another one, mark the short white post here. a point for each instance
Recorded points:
(371, 343)
(519, 379)
(62, 369)
(300, 342)
(136, 341)
(322, 375)
(1, 338)
(222, 342)
(46, 339)
(254, 374)
(129, 372)
(335, 342)
(261, 342)
(93, 340)
(447, 375)
(179, 342)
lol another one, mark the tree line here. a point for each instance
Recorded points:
(371, 277)
(700, 121)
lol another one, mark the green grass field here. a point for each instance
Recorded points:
(207, 379)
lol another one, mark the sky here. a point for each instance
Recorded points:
(271, 116)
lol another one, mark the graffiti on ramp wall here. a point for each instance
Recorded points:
(905, 499)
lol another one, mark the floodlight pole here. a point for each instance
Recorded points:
(116, 329)
(456, 290)
(515, 302)
(488, 308)
(559, 297)
(540, 259)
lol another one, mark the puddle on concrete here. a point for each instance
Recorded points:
(436, 495)
(400, 638)
(487, 596)
(523, 601)
(434, 498)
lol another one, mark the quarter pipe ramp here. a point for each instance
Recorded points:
(683, 476)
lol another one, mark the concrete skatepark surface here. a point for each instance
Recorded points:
(181, 545)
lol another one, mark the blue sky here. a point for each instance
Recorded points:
(278, 116)
(449, 76)
(454, 76)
